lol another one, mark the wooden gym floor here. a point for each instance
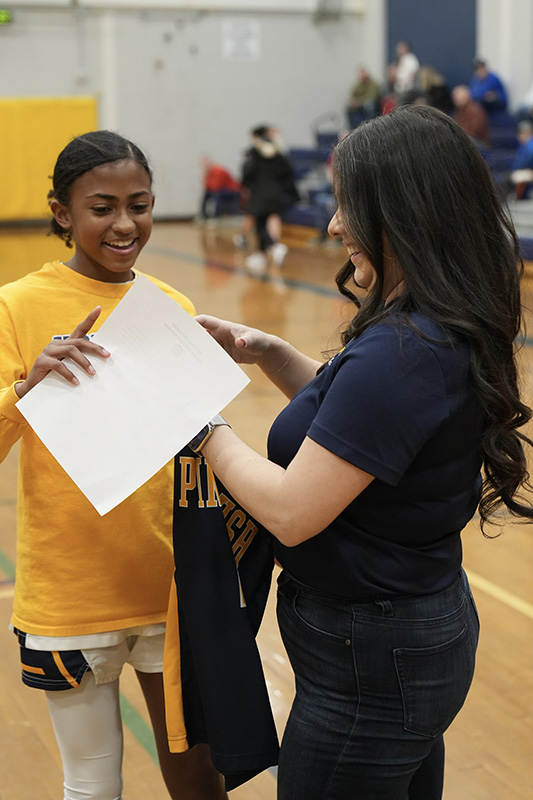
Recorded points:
(489, 746)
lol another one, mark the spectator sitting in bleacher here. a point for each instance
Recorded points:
(324, 204)
(471, 116)
(407, 66)
(389, 100)
(220, 187)
(522, 166)
(487, 88)
(364, 99)
(525, 109)
(434, 89)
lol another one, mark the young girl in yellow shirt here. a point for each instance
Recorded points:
(91, 592)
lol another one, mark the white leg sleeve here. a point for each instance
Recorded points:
(88, 729)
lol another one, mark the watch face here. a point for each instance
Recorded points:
(199, 439)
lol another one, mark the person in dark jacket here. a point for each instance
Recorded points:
(267, 176)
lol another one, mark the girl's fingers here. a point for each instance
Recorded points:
(79, 335)
(81, 330)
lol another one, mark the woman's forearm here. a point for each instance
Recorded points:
(286, 367)
(295, 503)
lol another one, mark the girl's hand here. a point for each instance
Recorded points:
(245, 345)
(51, 359)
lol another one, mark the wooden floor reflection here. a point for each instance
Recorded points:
(489, 746)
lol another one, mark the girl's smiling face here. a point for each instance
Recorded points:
(110, 215)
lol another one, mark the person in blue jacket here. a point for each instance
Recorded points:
(523, 158)
(383, 455)
(487, 88)
(521, 176)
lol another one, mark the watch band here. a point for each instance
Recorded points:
(198, 441)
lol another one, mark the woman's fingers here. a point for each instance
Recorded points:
(242, 343)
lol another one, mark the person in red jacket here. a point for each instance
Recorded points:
(219, 186)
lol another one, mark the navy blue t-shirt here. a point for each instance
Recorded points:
(402, 408)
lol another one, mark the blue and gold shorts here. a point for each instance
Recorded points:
(52, 670)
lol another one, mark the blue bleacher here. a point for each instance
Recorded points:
(499, 158)
(325, 142)
(303, 159)
(526, 248)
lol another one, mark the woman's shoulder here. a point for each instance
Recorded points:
(409, 336)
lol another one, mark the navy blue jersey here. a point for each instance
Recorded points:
(403, 408)
(224, 562)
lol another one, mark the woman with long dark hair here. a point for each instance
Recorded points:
(382, 456)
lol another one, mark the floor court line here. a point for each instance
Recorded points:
(202, 261)
(492, 589)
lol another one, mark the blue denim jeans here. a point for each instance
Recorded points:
(377, 684)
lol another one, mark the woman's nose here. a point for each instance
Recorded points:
(334, 227)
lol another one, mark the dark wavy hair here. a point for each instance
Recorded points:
(82, 154)
(414, 179)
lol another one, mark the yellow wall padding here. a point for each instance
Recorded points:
(33, 131)
(26, 249)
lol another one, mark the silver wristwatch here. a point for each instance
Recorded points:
(198, 441)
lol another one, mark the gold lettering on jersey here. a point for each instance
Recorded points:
(187, 479)
(227, 504)
(199, 484)
(195, 473)
(244, 540)
(241, 530)
(212, 490)
(197, 476)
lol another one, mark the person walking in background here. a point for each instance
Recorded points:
(268, 177)
(382, 456)
(91, 591)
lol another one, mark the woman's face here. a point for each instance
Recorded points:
(364, 273)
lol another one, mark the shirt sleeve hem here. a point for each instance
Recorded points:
(356, 457)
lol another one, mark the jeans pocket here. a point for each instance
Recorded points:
(434, 682)
(317, 614)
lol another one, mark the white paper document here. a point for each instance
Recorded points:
(165, 378)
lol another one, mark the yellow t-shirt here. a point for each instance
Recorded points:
(77, 572)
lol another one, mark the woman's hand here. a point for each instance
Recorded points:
(285, 366)
(75, 348)
(245, 345)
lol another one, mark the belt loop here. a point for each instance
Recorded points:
(386, 607)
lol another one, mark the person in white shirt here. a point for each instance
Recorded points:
(407, 66)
